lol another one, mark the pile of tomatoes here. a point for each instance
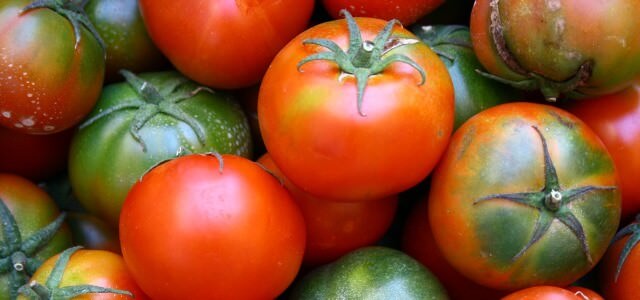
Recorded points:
(336, 149)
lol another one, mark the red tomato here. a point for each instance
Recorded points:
(336, 228)
(224, 43)
(97, 268)
(584, 293)
(552, 293)
(36, 157)
(405, 11)
(616, 120)
(190, 229)
(335, 138)
(621, 265)
(49, 77)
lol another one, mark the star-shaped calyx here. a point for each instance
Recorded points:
(150, 101)
(551, 202)
(72, 10)
(52, 290)
(18, 255)
(363, 58)
(633, 230)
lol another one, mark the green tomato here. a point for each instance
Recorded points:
(142, 122)
(371, 273)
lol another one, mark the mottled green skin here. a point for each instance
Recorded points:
(128, 44)
(105, 160)
(473, 92)
(371, 273)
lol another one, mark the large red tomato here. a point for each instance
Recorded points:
(616, 120)
(347, 118)
(224, 43)
(405, 11)
(525, 195)
(194, 229)
(50, 77)
(336, 228)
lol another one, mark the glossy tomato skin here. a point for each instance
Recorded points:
(36, 157)
(312, 128)
(405, 11)
(128, 44)
(93, 267)
(235, 233)
(32, 210)
(626, 286)
(336, 228)
(46, 85)
(105, 159)
(419, 243)
(616, 120)
(550, 293)
(554, 38)
(224, 43)
(496, 157)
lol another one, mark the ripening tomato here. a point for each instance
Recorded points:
(525, 195)
(405, 11)
(349, 119)
(336, 228)
(50, 77)
(621, 265)
(616, 120)
(201, 227)
(224, 43)
(552, 293)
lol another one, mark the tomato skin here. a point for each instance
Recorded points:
(618, 126)
(93, 267)
(627, 286)
(554, 38)
(36, 157)
(32, 209)
(224, 43)
(105, 160)
(584, 293)
(419, 243)
(127, 42)
(46, 85)
(545, 293)
(312, 129)
(405, 11)
(499, 151)
(336, 228)
(223, 231)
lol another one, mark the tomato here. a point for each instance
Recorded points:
(551, 293)
(132, 128)
(194, 228)
(224, 43)
(525, 195)
(419, 243)
(370, 273)
(336, 228)
(574, 48)
(584, 293)
(32, 231)
(50, 78)
(473, 92)
(405, 11)
(352, 137)
(36, 157)
(86, 274)
(619, 128)
(621, 265)
(125, 36)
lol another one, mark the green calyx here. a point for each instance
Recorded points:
(18, 255)
(51, 290)
(72, 10)
(551, 202)
(363, 58)
(151, 101)
(550, 89)
(436, 36)
(633, 230)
